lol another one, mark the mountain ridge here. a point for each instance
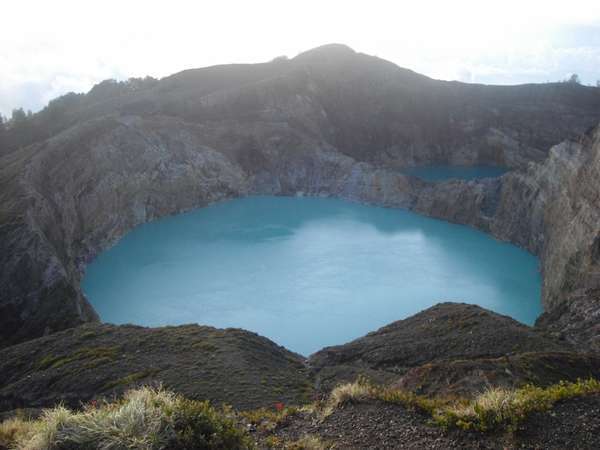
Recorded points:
(139, 150)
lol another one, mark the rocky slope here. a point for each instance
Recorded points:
(454, 349)
(572, 424)
(447, 350)
(93, 361)
(438, 351)
(328, 122)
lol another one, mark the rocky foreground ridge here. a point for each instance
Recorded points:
(448, 351)
(473, 347)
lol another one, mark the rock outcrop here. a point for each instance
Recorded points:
(456, 349)
(328, 122)
(445, 331)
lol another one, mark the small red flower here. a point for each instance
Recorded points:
(279, 406)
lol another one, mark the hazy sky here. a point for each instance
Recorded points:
(48, 48)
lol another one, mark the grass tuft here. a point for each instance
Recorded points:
(145, 419)
(363, 390)
(499, 408)
(495, 409)
(268, 419)
(308, 442)
(12, 430)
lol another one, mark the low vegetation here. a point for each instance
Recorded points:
(308, 442)
(500, 408)
(266, 419)
(494, 409)
(149, 418)
(144, 419)
(363, 390)
(93, 354)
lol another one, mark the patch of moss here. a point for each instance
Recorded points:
(268, 419)
(205, 346)
(93, 353)
(273, 442)
(88, 334)
(308, 442)
(97, 363)
(131, 378)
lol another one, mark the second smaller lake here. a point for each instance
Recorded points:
(443, 173)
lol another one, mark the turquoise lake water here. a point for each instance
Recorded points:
(442, 173)
(305, 272)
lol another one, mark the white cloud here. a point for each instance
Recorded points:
(48, 48)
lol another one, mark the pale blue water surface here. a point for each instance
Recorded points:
(305, 272)
(442, 173)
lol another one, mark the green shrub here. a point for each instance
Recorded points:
(199, 426)
(268, 419)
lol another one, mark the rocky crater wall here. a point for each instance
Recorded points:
(289, 130)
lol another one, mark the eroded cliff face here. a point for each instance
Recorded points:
(338, 124)
(553, 210)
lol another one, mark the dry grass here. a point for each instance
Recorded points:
(145, 419)
(12, 430)
(507, 408)
(308, 442)
(497, 408)
(148, 419)
(363, 390)
(352, 392)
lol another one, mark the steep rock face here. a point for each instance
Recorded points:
(329, 122)
(553, 210)
(572, 258)
(80, 191)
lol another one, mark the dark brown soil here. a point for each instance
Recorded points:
(572, 424)
(377, 425)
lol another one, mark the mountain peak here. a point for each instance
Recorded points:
(327, 51)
